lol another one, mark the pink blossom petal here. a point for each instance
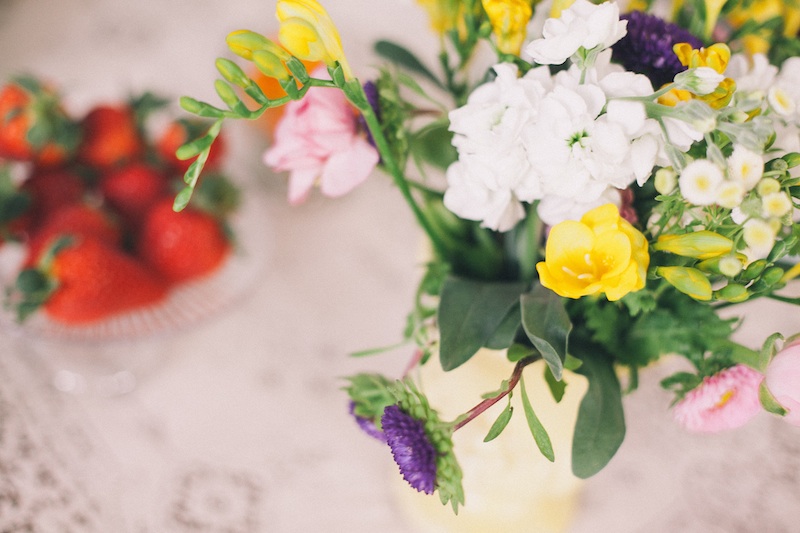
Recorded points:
(301, 181)
(783, 381)
(346, 170)
(726, 400)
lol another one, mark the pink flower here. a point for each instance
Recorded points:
(783, 381)
(726, 400)
(318, 142)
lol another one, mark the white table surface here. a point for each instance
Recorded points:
(241, 426)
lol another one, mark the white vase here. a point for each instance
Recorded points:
(509, 486)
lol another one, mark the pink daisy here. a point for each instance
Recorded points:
(726, 400)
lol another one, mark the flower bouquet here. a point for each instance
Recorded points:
(593, 195)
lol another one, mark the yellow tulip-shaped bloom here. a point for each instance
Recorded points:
(308, 33)
(603, 253)
(509, 19)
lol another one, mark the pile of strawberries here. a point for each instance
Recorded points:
(95, 205)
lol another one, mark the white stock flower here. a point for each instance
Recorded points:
(752, 74)
(582, 25)
(493, 175)
(745, 167)
(699, 182)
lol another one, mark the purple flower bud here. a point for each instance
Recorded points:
(412, 450)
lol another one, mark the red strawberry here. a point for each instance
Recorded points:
(51, 189)
(179, 133)
(132, 189)
(84, 280)
(110, 136)
(79, 220)
(33, 125)
(182, 246)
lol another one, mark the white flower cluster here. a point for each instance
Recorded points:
(738, 182)
(563, 139)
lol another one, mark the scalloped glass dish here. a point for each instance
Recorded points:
(109, 356)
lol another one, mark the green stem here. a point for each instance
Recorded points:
(473, 413)
(399, 178)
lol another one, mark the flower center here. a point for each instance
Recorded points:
(581, 138)
(725, 398)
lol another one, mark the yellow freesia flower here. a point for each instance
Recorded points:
(509, 19)
(308, 33)
(703, 244)
(603, 253)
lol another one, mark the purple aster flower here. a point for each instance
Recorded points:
(647, 47)
(411, 448)
(367, 425)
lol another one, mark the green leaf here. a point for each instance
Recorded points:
(600, 428)
(519, 351)
(402, 57)
(768, 351)
(434, 145)
(537, 429)
(506, 332)
(769, 402)
(547, 325)
(469, 314)
(557, 388)
(500, 424)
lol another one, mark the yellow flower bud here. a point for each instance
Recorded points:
(509, 19)
(703, 244)
(308, 33)
(689, 281)
(244, 42)
(603, 253)
(270, 65)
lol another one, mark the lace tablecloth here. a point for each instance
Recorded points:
(239, 425)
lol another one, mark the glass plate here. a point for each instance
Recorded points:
(110, 355)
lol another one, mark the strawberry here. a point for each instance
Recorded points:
(182, 246)
(179, 133)
(33, 125)
(79, 220)
(82, 280)
(132, 189)
(51, 189)
(110, 136)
